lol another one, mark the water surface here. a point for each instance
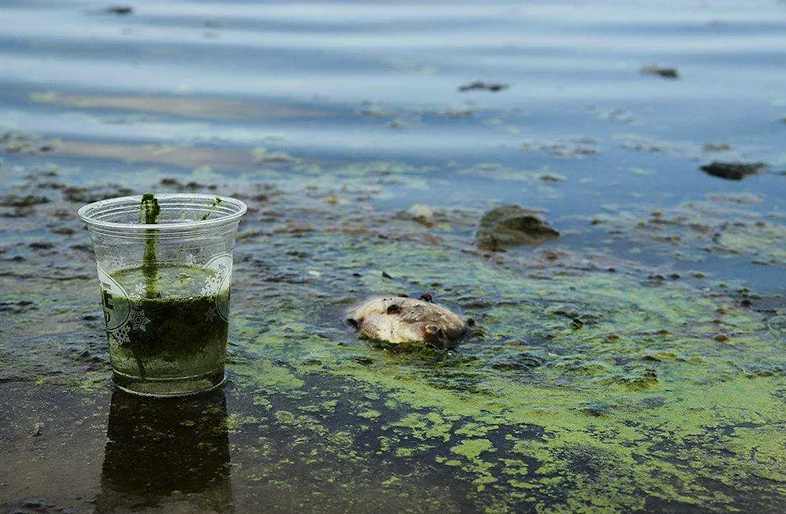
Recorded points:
(633, 365)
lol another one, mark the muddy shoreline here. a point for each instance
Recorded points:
(600, 215)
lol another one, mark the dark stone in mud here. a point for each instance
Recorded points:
(659, 71)
(478, 85)
(16, 307)
(41, 245)
(767, 304)
(85, 195)
(189, 186)
(22, 201)
(18, 212)
(638, 380)
(64, 231)
(51, 185)
(511, 225)
(597, 409)
(33, 506)
(363, 361)
(732, 170)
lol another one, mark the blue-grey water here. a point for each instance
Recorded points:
(365, 96)
(334, 83)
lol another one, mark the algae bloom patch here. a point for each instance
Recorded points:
(164, 268)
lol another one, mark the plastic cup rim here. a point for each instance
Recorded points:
(83, 211)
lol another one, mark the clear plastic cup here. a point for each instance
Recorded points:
(165, 289)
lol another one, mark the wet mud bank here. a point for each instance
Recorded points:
(608, 231)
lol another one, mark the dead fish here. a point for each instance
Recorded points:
(407, 322)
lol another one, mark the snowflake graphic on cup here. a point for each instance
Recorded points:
(137, 320)
(212, 285)
(122, 335)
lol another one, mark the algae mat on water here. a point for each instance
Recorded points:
(579, 390)
(590, 382)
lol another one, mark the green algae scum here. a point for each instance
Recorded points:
(175, 341)
(583, 180)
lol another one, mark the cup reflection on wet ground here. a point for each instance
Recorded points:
(166, 455)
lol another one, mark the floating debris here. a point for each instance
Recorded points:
(419, 213)
(716, 147)
(264, 156)
(577, 147)
(478, 85)
(407, 322)
(12, 200)
(16, 142)
(666, 73)
(551, 177)
(511, 225)
(733, 170)
(121, 10)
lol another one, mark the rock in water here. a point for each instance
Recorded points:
(732, 170)
(419, 213)
(510, 225)
(407, 322)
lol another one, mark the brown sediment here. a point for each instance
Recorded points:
(213, 108)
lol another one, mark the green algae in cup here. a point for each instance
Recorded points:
(164, 268)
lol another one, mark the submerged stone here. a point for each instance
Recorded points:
(407, 322)
(732, 170)
(419, 213)
(511, 225)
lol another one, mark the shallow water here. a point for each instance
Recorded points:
(634, 364)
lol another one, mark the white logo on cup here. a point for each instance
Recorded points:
(218, 284)
(114, 300)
